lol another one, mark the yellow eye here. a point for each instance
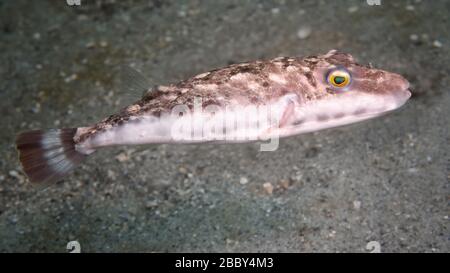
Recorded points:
(339, 78)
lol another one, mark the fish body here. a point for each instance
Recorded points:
(239, 103)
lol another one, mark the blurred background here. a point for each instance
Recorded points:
(386, 180)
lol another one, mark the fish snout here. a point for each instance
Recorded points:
(402, 96)
(399, 87)
(397, 82)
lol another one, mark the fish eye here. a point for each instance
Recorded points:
(339, 78)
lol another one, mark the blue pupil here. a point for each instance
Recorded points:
(339, 80)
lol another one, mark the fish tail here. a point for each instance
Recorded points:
(48, 155)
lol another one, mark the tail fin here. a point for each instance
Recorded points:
(47, 156)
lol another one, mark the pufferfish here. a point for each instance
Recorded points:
(251, 101)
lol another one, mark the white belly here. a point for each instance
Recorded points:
(250, 124)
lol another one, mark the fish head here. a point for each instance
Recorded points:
(346, 92)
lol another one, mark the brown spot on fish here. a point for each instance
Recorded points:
(322, 117)
(339, 115)
(360, 111)
(330, 90)
(298, 121)
(150, 96)
(311, 79)
(254, 99)
(247, 68)
(312, 60)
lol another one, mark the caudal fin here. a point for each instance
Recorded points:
(47, 156)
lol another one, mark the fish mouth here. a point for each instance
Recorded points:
(384, 104)
(401, 97)
(393, 103)
(409, 92)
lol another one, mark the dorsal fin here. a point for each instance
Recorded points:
(133, 85)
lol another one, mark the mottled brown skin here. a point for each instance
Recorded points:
(252, 83)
